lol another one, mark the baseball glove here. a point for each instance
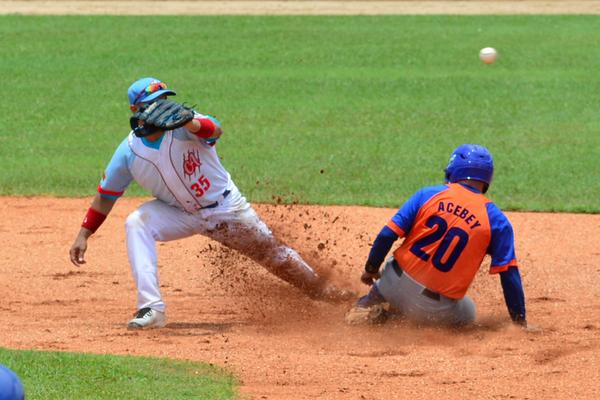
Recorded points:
(162, 115)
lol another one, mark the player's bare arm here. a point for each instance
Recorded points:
(99, 209)
(204, 127)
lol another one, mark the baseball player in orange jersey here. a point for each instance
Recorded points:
(448, 229)
(194, 194)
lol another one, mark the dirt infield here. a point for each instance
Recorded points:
(307, 7)
(225, 309)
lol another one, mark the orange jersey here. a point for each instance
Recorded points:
(452, 227)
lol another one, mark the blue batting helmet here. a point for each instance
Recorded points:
(10, 385)
(470, 161)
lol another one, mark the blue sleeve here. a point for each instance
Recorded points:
(502, 243)
(513, 294)
(381, 246)
(213, 119)
(405, 217)
(117, 175)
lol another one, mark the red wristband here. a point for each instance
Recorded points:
(93, 219)
(207, 128)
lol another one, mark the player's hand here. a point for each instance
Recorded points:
(369, 278)
(78, 250)
(161, 115)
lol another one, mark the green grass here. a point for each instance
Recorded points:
(61, 376)
(330, 110)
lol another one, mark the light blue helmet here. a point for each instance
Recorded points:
(10, 385)
(470, 161)
(146, 90)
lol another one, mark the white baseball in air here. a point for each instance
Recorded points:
(488, 55)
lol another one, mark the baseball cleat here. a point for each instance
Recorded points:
(373, 315)
(146, 318)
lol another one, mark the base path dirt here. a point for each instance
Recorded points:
(225, 309)
(249, 7)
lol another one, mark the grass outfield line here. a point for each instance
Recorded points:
(327, 110)
(57, 375)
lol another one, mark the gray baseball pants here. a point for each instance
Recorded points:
(420, 304)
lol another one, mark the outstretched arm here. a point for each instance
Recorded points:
(513, 295)
(397, 227)
(382, 245)
(98, 211)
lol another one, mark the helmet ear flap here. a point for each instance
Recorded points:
(447, 175)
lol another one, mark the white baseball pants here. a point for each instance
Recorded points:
(233, 223)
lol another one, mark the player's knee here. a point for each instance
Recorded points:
(135, 221)
(284, 254)
(273, 256)
(467, 311)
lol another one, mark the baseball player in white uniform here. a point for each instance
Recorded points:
(194, 194)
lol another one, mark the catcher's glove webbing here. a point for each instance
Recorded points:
(162, 115)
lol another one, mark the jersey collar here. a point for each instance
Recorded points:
(153, 145)
(469, 187)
